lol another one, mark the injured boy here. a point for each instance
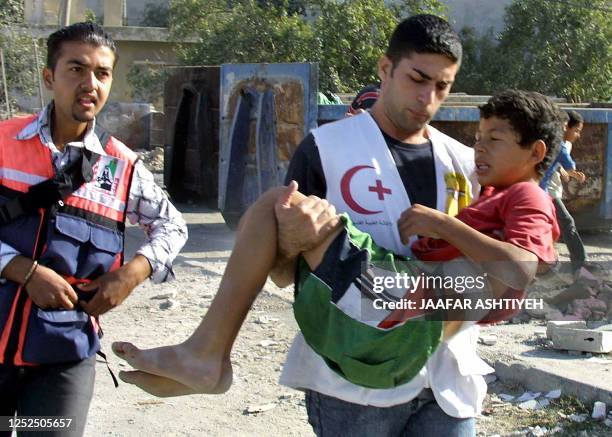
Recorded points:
(509, 232)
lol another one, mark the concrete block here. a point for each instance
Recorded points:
(604, 328)
(599, 411)
(586, 340)
(113, 13)
(550, 326)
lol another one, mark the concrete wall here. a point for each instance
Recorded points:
(48, 11)
(130, 51)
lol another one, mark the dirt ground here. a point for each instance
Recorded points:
(162, 314)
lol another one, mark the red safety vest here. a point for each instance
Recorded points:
(81, 239)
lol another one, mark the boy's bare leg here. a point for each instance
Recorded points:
(201, 364)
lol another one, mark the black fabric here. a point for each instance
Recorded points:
(305, 168)
(341, 265)
(63, 390)
(415, 164)
(47, 193)
(92, 217)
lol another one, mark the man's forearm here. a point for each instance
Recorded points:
(136, 270)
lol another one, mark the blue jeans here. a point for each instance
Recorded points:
(421, 417)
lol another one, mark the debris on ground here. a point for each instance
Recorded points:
(152, 159)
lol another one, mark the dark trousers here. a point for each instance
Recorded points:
(570, 235)
(50, 390)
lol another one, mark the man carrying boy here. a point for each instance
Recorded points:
(374, 167)
(67, 189)
(513, 223)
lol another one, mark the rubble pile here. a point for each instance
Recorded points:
(587, 298)
(152, 159)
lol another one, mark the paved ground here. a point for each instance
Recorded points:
(260, 352)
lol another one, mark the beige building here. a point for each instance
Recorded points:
(136, 45)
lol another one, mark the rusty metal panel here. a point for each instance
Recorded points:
(282, 107)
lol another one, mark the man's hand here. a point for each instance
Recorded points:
(304, 225)
(112, 288)
(48, 290)
(420, 220)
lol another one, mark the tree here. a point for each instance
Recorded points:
(21, 71)
(244, 32)
(346, 37)
(558, 48)
(413, 7)
(480, 68)
(352, 35)
(155, 15)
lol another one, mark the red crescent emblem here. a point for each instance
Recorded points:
(345, 188)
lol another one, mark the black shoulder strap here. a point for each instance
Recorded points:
(48, 192)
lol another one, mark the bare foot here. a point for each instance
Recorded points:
(156, 385)
(191, 371)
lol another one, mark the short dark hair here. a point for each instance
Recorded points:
(89, 33)
(533, 116)
(573, 118)
(424, 33)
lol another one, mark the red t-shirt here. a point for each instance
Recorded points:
(522, 214)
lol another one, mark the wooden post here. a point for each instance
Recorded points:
(67, 6)
(38, 75)
(6, 96)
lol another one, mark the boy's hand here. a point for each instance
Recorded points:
(420, 220)
(578, 175)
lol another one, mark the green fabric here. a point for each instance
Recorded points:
(362, 354)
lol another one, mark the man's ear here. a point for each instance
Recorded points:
(538, 151)
(385, 67)
(47, 75)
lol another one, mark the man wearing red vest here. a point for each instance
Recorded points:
(66, 191)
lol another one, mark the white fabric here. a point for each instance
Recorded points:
(454, 372)
(555, 186)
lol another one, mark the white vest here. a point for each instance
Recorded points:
(363, 181)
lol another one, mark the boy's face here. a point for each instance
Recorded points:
(413, 90)
(80, 81)
(500, 159)
(573, 133)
